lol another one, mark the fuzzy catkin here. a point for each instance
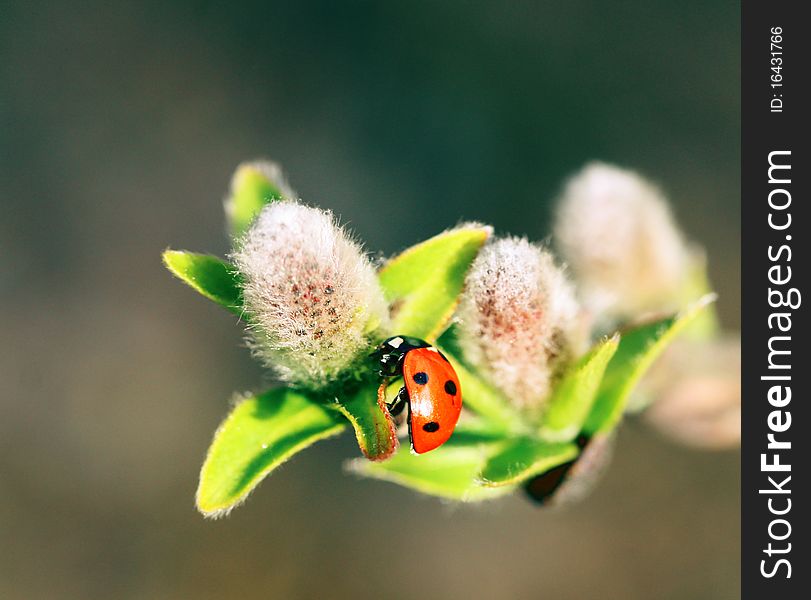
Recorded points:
(587, 472)
(311, 295)
(695, 388)
(518, 320)
(616, 232)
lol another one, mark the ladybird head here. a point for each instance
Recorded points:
(389, 354)
(403, 343)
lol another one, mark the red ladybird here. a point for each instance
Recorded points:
(430, 389)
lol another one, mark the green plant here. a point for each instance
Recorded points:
(315, 307)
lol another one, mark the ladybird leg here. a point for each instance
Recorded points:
(399, 402)
(410, 437)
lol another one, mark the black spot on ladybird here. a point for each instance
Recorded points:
(450, 387)
(421, 378)
(431, 426)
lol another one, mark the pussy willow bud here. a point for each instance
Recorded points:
(695, 390)
(518, 320)
(311, 295)
(617, 234)
(572, 482)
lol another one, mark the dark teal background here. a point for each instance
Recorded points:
(119, 129)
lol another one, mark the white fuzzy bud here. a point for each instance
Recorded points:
(616, 232)
(696, 392)
(311, 295)
(518, 320)
(585, 473)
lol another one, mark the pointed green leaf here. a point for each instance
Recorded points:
(374, 428)
(523, 459)
(706, 325)
(637, 351)
(212, 277)
(261, 433)
(473, 431)
(450, 471)
(424, 282)
(574, 395)
(253, 186)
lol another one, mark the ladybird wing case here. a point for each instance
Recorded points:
(435, 398)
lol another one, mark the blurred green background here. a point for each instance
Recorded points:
(119, 130)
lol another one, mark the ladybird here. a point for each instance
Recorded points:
(430, 389)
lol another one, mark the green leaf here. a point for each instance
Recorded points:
(637, 351)
(253, 186)
(523, 459)
(451, 471)
(574, 395)
(214, 278)
(705, 326)
(424, 282)
(260, 434)
(374, 427)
